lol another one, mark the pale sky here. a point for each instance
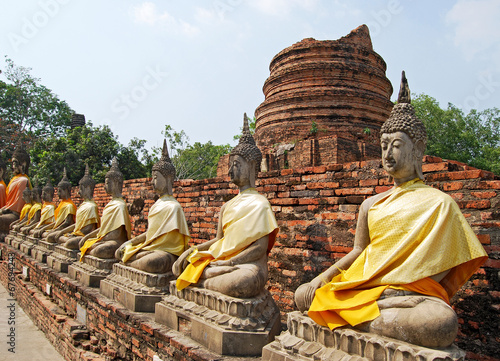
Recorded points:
(199, 65)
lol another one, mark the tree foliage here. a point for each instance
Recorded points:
(472, 138)
(251, 127)
(28, 109)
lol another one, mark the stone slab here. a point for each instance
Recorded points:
(91, 271)
(225, 325)
(137, 290)
(307, 341)
(28, 244)
(42, 250)
(61, 258)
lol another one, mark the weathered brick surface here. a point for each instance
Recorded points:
(316, 209)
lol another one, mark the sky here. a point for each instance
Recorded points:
(198, 65)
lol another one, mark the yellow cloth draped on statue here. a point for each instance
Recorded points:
(25, 210)
(87, 213)
(167, 229)
(63, 210)
(3, 194)
(35, 208)
(114, 215)
(246, 218)
(14, 192)
(47, 215)
(416, 232)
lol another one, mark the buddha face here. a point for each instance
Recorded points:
(240, 170)
(36, 197)
(160, 182)
(85, 191)
(46, 196)
(112, 186)
(398, 155)
(27, 196)
(17, 166)
(64, 193)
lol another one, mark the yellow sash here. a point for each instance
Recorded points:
(114, 215)
(25, 210)
(246, 218)
(35, 208)
(416, 232)
(47, 215)
(167, 229)
(63, 210)
(87, 213)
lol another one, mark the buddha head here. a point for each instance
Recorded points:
(163, 173)
(64, 187)
(87, 185)
(403, 139)
(27, 195)
(245, 159)
(36, 193)
(113, 183)
(48, 192)
(20, 161)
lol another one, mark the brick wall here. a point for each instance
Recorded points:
(316, 209)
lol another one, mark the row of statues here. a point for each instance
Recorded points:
(413, 248)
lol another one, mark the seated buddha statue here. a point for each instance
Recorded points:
(115, 226)
(64, 214)
(34, 213)
(23, 215)
(3, 187)
(87, 215)
(46, 212)
(413, 250)
(14, 202)
(167, 235)
(235, 262)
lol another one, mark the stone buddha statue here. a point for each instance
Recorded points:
(14, 202)
(87, 215)
(413, 250)
(35, 210)
(23, 215)
(235, 262)
(167, 235)
(115, 226)
(36, 229)
(3, 187)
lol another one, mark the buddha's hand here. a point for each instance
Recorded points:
(121, 250)
(182, 262)
(222, 263)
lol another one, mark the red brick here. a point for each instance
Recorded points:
(434, 167)
(492, 263)
(350, 191)
(453, 186)
(368, 182)
(482, 204)
(484, 238)
(483, 195)
(494, 184)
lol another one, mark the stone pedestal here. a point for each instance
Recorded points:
(305, 340)
(28, 244)
(61, 258)
(91, 271)
(225, 325)
(14, 239)
(2, 236)
(137, 290)
(42, 250)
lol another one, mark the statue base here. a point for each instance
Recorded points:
(91, 271)
(14, 239)
(42, 250)
(137, 290)
(305, 340)
(61, 258)
(224, 324)
(28, 244)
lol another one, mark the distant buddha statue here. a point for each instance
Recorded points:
(35, 210)
(14, 202)
(235, 262)
(413, 250)
(167, 235)
(87, 215)
(46, 213)
(115, 226)
(3, 187)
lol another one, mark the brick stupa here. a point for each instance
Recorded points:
(325, 102)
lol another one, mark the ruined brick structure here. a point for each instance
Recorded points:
(324, 103)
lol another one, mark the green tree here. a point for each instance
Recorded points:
(251, 126)
(472, 138)
(196, 161)
(93, 145)
(28, 109)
